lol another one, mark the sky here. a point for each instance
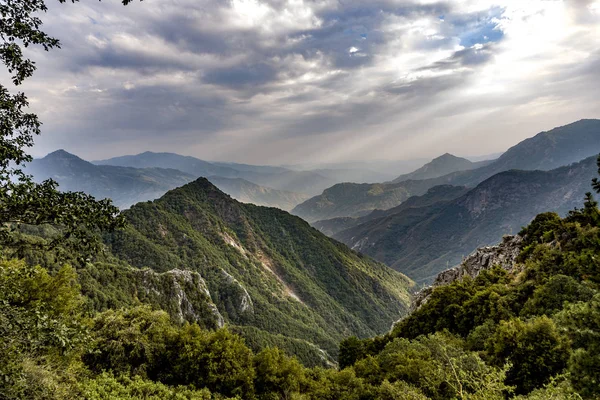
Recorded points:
(299, 81)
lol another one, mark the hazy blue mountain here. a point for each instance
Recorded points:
(124, 185)
(423, 241)
(248, 192)
(353, 175)
(442, 165)
(436, 194)
(356, 200)
(128, 185)
(190, 165)
(547, 150)
(306, 182)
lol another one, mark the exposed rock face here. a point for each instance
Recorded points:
(504, 255)
(184, 295)
(243, 301)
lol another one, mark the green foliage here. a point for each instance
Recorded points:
(108, 387)
(438, 365)
(559, 388)
(581, 322)
(535, 349)
(264, 268)
(277, 376)
(130, 341)
(217, 360)
(40, 330)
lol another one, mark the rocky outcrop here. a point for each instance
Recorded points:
(242, 300)
(184, 294)
(504, 255)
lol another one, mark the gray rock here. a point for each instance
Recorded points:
(504, 255)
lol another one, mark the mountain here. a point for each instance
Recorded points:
(545, 151)
(189, 165)
(358, 175)
(436, 194)
(125, 186)
(440, 166)
(278, 178)
(269, 273)
(248, 192)
(421, 242)
(358, 199)
(128, 185)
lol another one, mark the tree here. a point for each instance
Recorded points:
(277, 375)
(581, 322)
(41, 330)
(75, 215)
(536, 349)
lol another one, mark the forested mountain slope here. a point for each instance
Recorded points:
(263, 267)
(423, 241)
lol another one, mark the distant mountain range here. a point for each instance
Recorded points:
(127, 185)
(440, 166)
(248, 192)
(124, 185)
(437, 194)
(545, 151)
(422, 241)
(306, 182)
(268, 273)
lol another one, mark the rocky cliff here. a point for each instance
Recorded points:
(503, 255)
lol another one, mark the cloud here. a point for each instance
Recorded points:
(284, 81)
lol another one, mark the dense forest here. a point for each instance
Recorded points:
(531, 332)
(79, 319)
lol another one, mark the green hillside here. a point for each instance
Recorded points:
(263, 267)
(421, 242)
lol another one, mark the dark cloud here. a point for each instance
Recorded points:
(241, 75)
(216, 76)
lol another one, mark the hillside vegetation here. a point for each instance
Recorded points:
(537, 319)
(263, 267)
(423, 241)
(526, 332)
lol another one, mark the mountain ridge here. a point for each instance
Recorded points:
(546, 150)
(423, 244)
(263, 265)
(440, 166)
